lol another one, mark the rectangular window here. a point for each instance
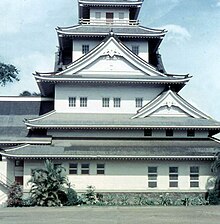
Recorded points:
(73, 167)
(117, 102)
(190, 133)
(72, 101)
(85, 168)
(109, 17)
(85, 48)
(135, 49)
(19, 163)
(169, 132)
(147, 132)
(101, 169)
(152, 176)
(105, 102)
(139, 102)
(83, 101)
(98, 15)
(173, 176)
(194, 176)
(121, 15)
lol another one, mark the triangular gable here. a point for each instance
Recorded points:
(169, 104)
(116, 52)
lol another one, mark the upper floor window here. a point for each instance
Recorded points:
(190, 133)
(19, 163)
(135, 49)
(85, 48)
(139, 102)
(98, 15)
(169, 132)
(105, 102)
(109, 17)
(117, 102)
(83, 101)
(147, 132)
(72, 101)
(173, 176)
(121, 15)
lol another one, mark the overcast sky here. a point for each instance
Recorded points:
(192, 45)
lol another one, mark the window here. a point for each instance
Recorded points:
(73, 167)
(72, 101)
(121, 15)
(101, 168)
(83, 101)
(109, 17)
(135, 49)
(169, 132)
(147, 132)
(173, 176)
(190, 133)
(152, 176)
(19, 179)
(117, 102)
(105, 102)
(139, 102)
(85, 168)
(19, 163)
(85, 48)
(98, 15)
(194, 176)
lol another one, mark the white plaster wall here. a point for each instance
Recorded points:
(129, 175)
(143, 48)
(95, 95)
(3, 171)
(116, 12)
(77, 47)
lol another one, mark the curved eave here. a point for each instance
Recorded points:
(69, 126)
(114, 80)
(112, 157)
(112, 4)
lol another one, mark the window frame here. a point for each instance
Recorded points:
(85, 169)
(117, 102)
(194, 177)
(169, 132)
(83, 101)
(190, 133)
(74, 169)
(100, 170)
(72, 101)
(152, 176)
(85, 48)
(174, 177)
(148, 132)
(105, 101)
(139, 102)
(135, 49)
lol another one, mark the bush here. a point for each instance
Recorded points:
(15, 194)
(72, 198)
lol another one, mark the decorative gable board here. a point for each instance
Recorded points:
(112, 50)
(169, 104)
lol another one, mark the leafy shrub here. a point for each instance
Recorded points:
(15, 194)
(72, 198)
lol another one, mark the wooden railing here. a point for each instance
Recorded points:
(109, 22)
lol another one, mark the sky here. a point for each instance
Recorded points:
(28, 40)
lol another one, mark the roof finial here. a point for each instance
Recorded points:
(111, 33)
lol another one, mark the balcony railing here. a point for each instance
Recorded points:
(108, 22)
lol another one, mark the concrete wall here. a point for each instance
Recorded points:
(96, 93)
(130, 175)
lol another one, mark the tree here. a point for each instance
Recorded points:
(27, 93)
(48, 185)
(15, 194)
(8, 73)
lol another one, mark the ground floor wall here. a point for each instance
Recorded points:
(130, 175)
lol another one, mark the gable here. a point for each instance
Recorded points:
(113, 56)
(169, 104)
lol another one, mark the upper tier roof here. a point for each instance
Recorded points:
(120, 31)
(111, 2)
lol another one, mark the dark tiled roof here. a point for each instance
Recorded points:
(101, 149)
(121, 120)
(104, 30)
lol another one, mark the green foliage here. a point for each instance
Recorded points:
(27, 93)
(91, 197)
(48, 185)
(8, 73)
(165, 199)
(15, 194)
(72, 198)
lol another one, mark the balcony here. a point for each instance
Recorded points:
(111, 22)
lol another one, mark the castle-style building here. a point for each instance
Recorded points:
(109, 112)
